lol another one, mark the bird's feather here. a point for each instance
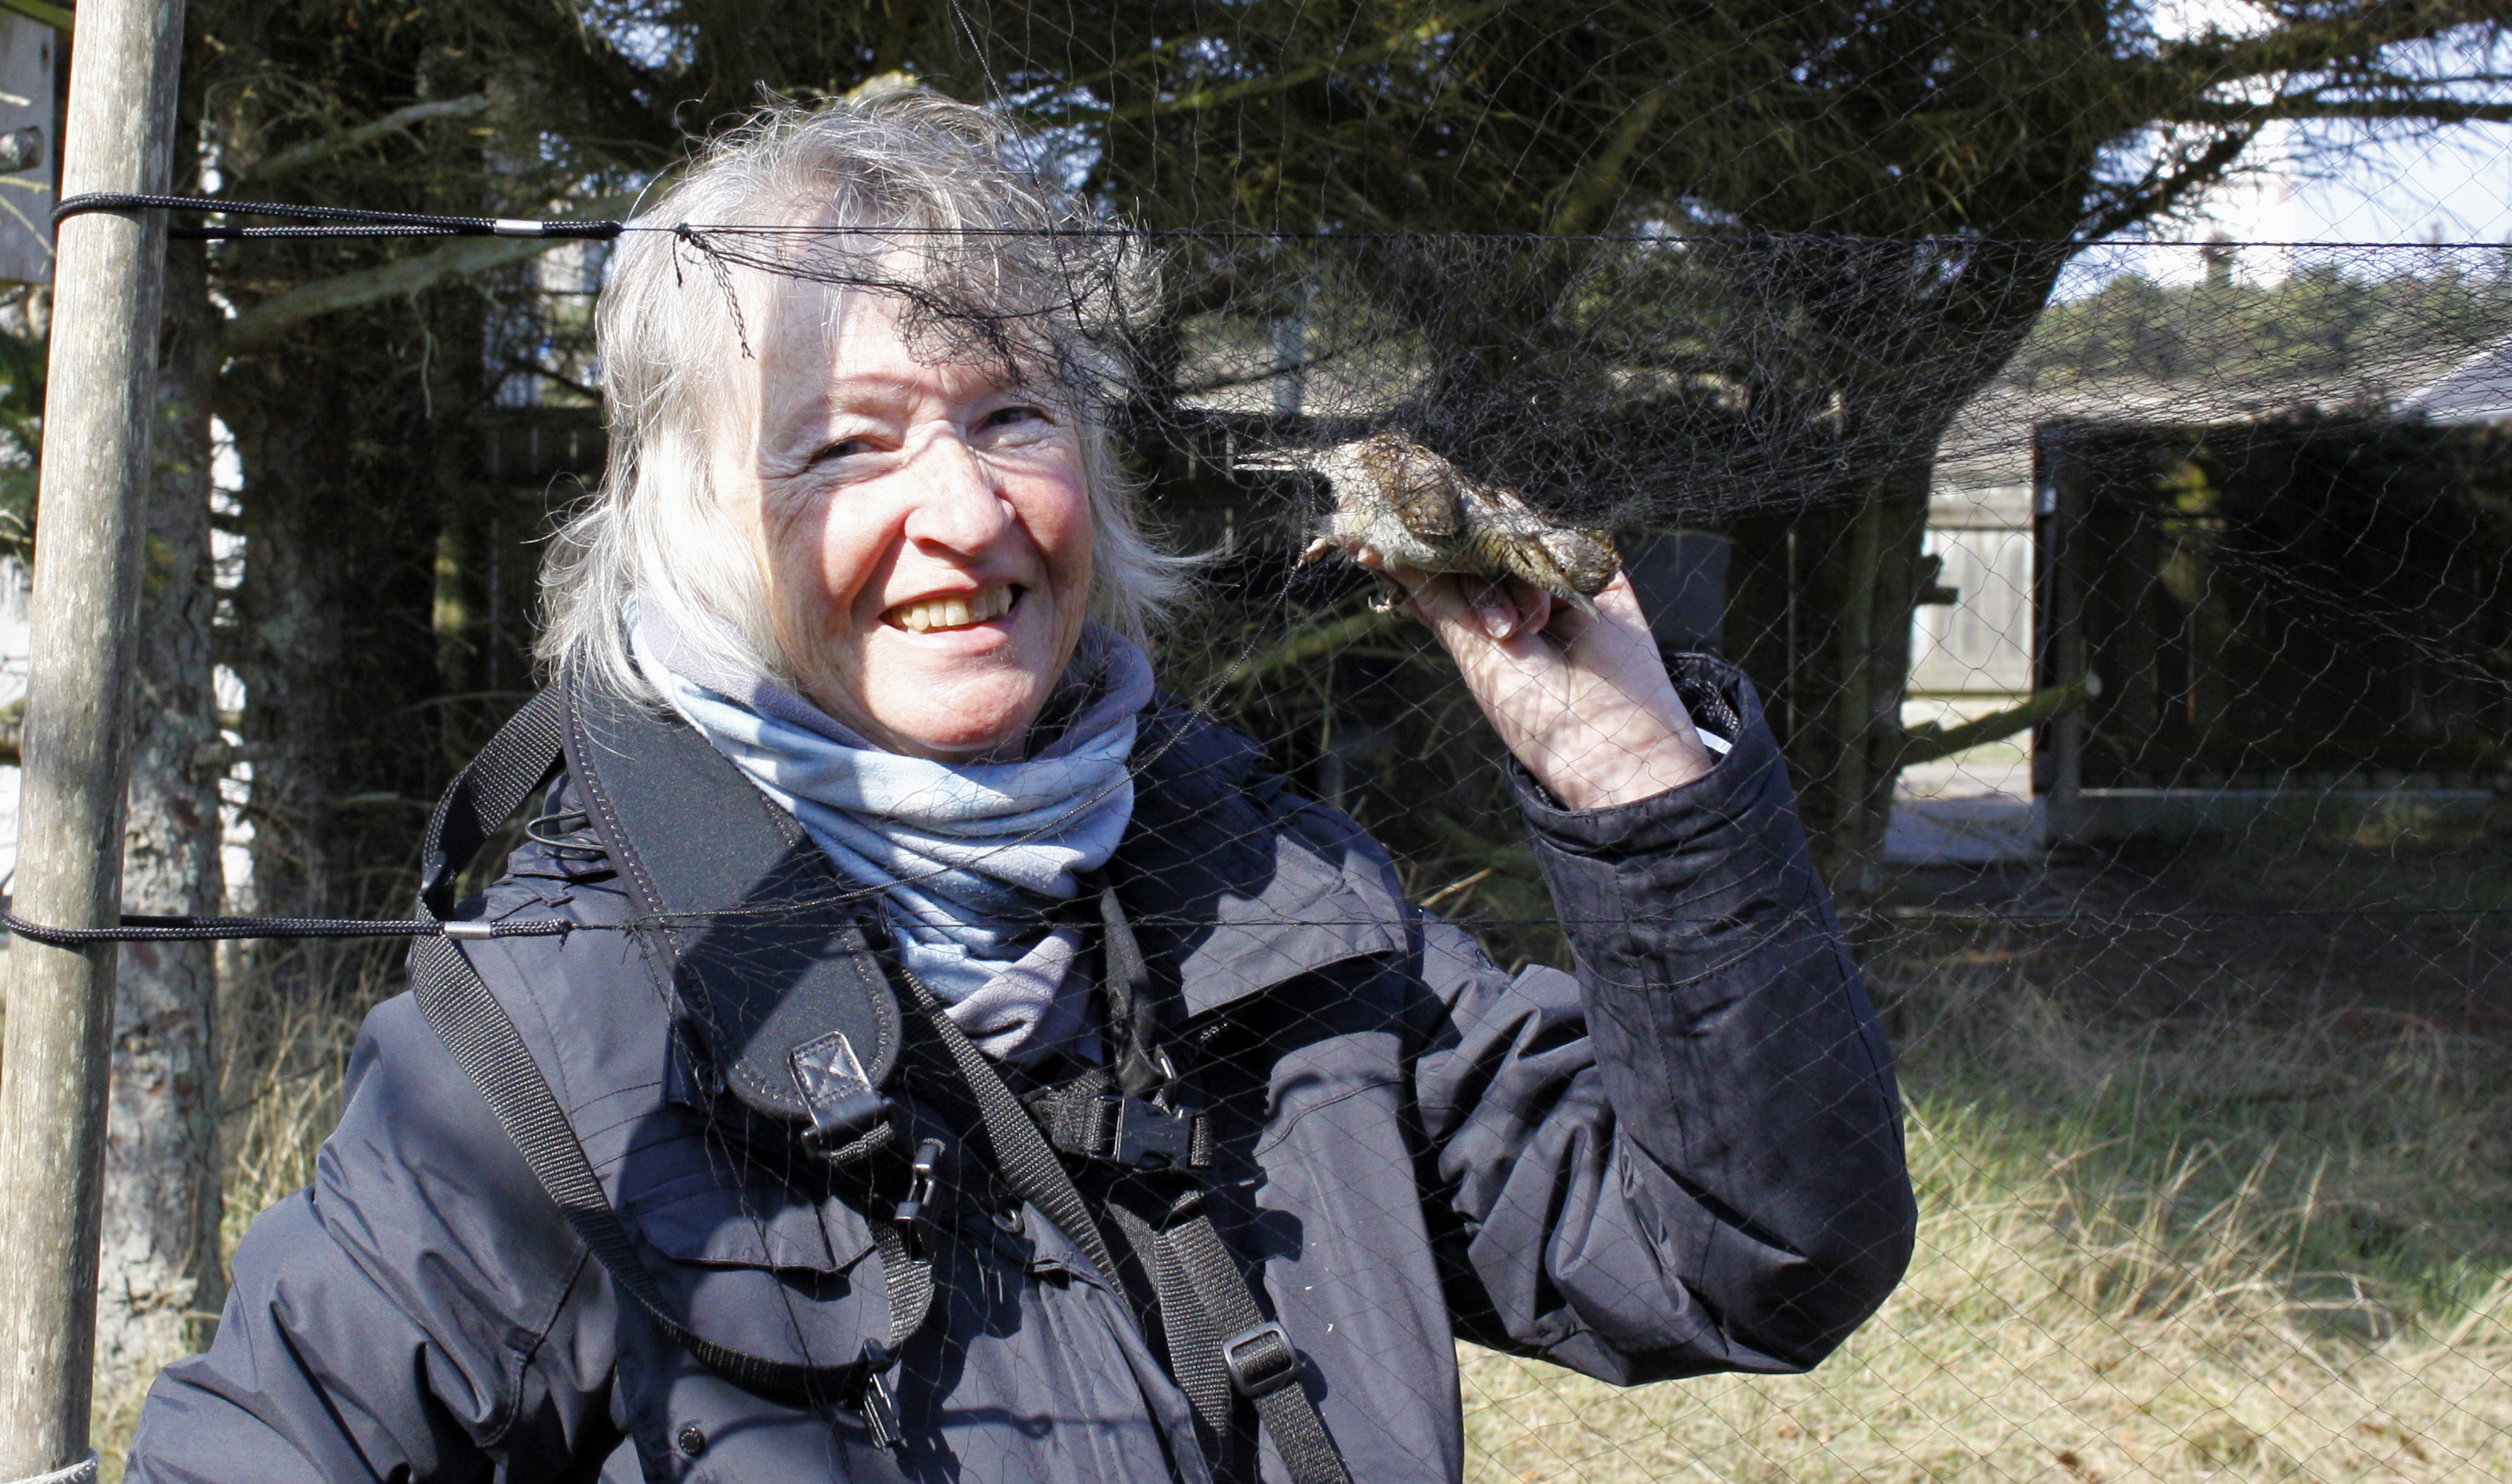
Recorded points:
(1420, 487)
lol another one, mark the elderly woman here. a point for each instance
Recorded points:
(911, 1046)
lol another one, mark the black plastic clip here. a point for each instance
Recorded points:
(921, 1178)
(1145, 1135)
(878, 1404)
(1260, 1360)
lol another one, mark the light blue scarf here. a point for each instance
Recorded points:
(973, 859)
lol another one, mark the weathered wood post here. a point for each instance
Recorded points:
(99, 402)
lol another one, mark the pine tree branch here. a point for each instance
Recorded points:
(1199, 99)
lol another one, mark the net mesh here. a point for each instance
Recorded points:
(2129, 616)
(2166, 823)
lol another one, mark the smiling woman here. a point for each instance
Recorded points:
(931, 1053)
(924, 527)
(740, 410)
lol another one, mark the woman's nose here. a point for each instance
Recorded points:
(957, 505)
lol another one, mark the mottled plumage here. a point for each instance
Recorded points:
(1412, 507)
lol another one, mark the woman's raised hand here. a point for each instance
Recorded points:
(1583, 700)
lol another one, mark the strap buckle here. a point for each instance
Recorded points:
(1260, 1360)
(1145, 1136)
(876, 1403)
(844, 1105)
(922, 1177)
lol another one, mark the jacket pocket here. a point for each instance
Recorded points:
(760, 1270)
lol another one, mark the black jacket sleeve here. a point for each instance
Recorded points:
(1689, 1159)
(415, 1314)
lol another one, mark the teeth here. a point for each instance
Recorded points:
(953, 613)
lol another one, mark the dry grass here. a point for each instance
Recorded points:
(2234, 1251)
(284, 1057)
(2222, 1250)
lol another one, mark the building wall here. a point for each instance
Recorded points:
(1982, 641)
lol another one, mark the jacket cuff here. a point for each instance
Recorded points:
(1726, 841)
(1722, 701)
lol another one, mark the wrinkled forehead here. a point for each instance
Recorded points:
(894, 313)
(793, 349)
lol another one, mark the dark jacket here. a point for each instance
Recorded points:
(1686, 1159)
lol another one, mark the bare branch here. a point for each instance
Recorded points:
(2160, 192)
(1314, 641)
(2304, 46)
(1928, 743)
(396, 121)
(1594, 188)
(2423, 110)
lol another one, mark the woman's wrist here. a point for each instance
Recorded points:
(1611, 774)
(1615, 748)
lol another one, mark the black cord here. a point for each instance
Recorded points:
(350, 221)
(137, 928)
(344, 221)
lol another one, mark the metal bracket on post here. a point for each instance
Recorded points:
(99, 400)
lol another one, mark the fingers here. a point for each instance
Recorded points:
(1439, 603)
(1508, 610)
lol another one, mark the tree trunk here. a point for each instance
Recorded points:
(337, 635)
(289, 653)
(1820, 616)
(339, 643)
(159, 1275)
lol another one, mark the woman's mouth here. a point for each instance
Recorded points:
(934, 615)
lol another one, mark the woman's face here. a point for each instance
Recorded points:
(923, 527)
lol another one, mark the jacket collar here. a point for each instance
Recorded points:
(1239, 884)
(1234, 882)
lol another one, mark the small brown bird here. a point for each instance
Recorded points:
(1413, 508)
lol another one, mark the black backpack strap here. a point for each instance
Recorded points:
(522, 757)
(482, 1038)
(1220, 1340)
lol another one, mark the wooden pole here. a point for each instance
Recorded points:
(98, 401)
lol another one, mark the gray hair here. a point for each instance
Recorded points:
(1002, 268)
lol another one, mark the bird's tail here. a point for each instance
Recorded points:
(1528, 562)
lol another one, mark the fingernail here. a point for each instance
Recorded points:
(1499, 623)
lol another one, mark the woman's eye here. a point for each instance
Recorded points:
(1014, 416)
(846, 448)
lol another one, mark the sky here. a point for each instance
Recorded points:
(2354, 183)
(2452, 184)
(2327, 181)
